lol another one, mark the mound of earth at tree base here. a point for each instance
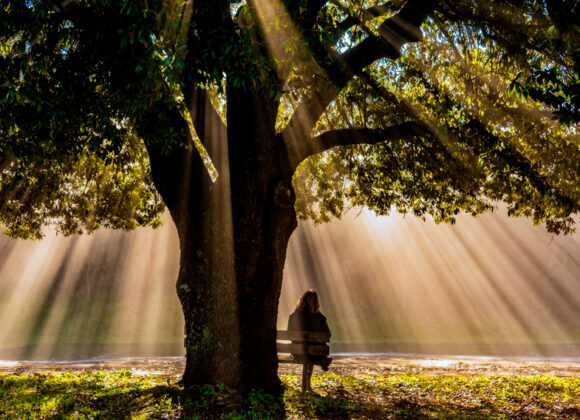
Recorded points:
(352, 365)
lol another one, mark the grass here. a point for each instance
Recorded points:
(106, 395)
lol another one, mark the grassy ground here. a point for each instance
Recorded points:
(124, 395)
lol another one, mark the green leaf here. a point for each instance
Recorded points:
(168, 60)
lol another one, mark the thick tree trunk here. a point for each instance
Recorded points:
(233, 238)
(229, 286)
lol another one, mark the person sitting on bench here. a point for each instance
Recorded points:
(307, 317)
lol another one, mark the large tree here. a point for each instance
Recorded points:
(240, 116)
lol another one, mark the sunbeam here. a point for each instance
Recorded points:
(487, 285)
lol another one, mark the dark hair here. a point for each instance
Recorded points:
(309, 301)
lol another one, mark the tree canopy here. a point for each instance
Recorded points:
(77, 75)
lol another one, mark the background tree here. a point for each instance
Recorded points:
(238, 114)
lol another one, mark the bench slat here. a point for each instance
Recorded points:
(318, 362)
(321, 337)
(313, 349)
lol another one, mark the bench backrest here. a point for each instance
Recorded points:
(303, 342)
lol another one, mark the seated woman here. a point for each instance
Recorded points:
(307, 317)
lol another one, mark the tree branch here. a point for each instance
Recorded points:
(367, 14)
(208, 125)
(313, 7)
(396, 31)
(346, 67)
(178, 172)
(405, 26)
(6, 159)
(514, 34)
(353, 136)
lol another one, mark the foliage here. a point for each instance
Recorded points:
(124, 395)
(556, 85)
(68, 154)
(485, 145)
(73, 99)
(79, 194)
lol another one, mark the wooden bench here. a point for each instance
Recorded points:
(304, 344)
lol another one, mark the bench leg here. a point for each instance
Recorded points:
(306, 375)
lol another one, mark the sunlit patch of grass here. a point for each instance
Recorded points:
(124, 395)
(87, 395)
(406, 396)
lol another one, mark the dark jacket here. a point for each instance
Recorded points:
(307, 321)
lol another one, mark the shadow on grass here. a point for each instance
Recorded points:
(218, 402)
(312, 406)
(338, 407)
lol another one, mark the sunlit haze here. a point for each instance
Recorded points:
(487, 285)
